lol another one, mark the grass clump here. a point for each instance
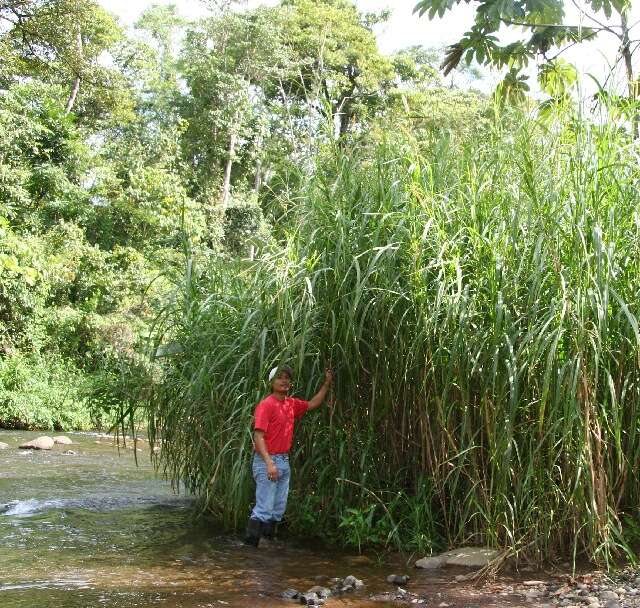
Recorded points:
(478, 298)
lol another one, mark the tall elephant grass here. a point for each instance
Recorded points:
(478, 299)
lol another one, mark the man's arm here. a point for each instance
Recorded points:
(261, 447)
(318, 398)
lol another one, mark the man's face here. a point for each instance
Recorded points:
(281, 383)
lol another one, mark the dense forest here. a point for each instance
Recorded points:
(185, 204)
(120, 150)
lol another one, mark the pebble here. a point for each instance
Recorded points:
(592, 600)
(608, 595)
(613, 604)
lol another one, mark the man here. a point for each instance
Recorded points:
(273, 434)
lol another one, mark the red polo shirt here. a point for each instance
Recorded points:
(276, 419)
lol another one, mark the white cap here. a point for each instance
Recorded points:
(272, 373)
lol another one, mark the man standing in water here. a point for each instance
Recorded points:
(273, 434)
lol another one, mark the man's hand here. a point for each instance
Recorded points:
(272, 471)
(328, 376)
(318, 398)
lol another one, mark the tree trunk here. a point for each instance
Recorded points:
(76, 82)
(257, 182)
(625, 50)
(226, 185)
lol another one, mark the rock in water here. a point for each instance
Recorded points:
(398, 579)
(41, 443)
(62, 440)
(290, 594)
(474, 557)
(3, 446)
(431, 563)
(351, 582)
(322, 592)
(310, 599)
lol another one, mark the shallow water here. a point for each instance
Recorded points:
(95, 530)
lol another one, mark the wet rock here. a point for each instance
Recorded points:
(351, 582)
(3, 446)
(41, 443)
(431, 563)
(322, 592)
(290, 594)
(310, 599)
(473, 557)
(62, 440)
(398, 579)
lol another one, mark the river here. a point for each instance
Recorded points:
(93, 529)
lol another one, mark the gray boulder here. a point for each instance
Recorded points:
(41, 443)
(62, 440)
(431, 563)
(474, 557)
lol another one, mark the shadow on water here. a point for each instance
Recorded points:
(92, 529)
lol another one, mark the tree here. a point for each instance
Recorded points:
(547, 36)
(62, 42)
(340, 71)
(228, 63)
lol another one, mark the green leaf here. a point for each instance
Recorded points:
(557, 77)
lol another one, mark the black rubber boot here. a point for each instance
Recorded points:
(269, 530)
(254, 531)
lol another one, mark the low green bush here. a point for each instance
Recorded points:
(46, 393)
